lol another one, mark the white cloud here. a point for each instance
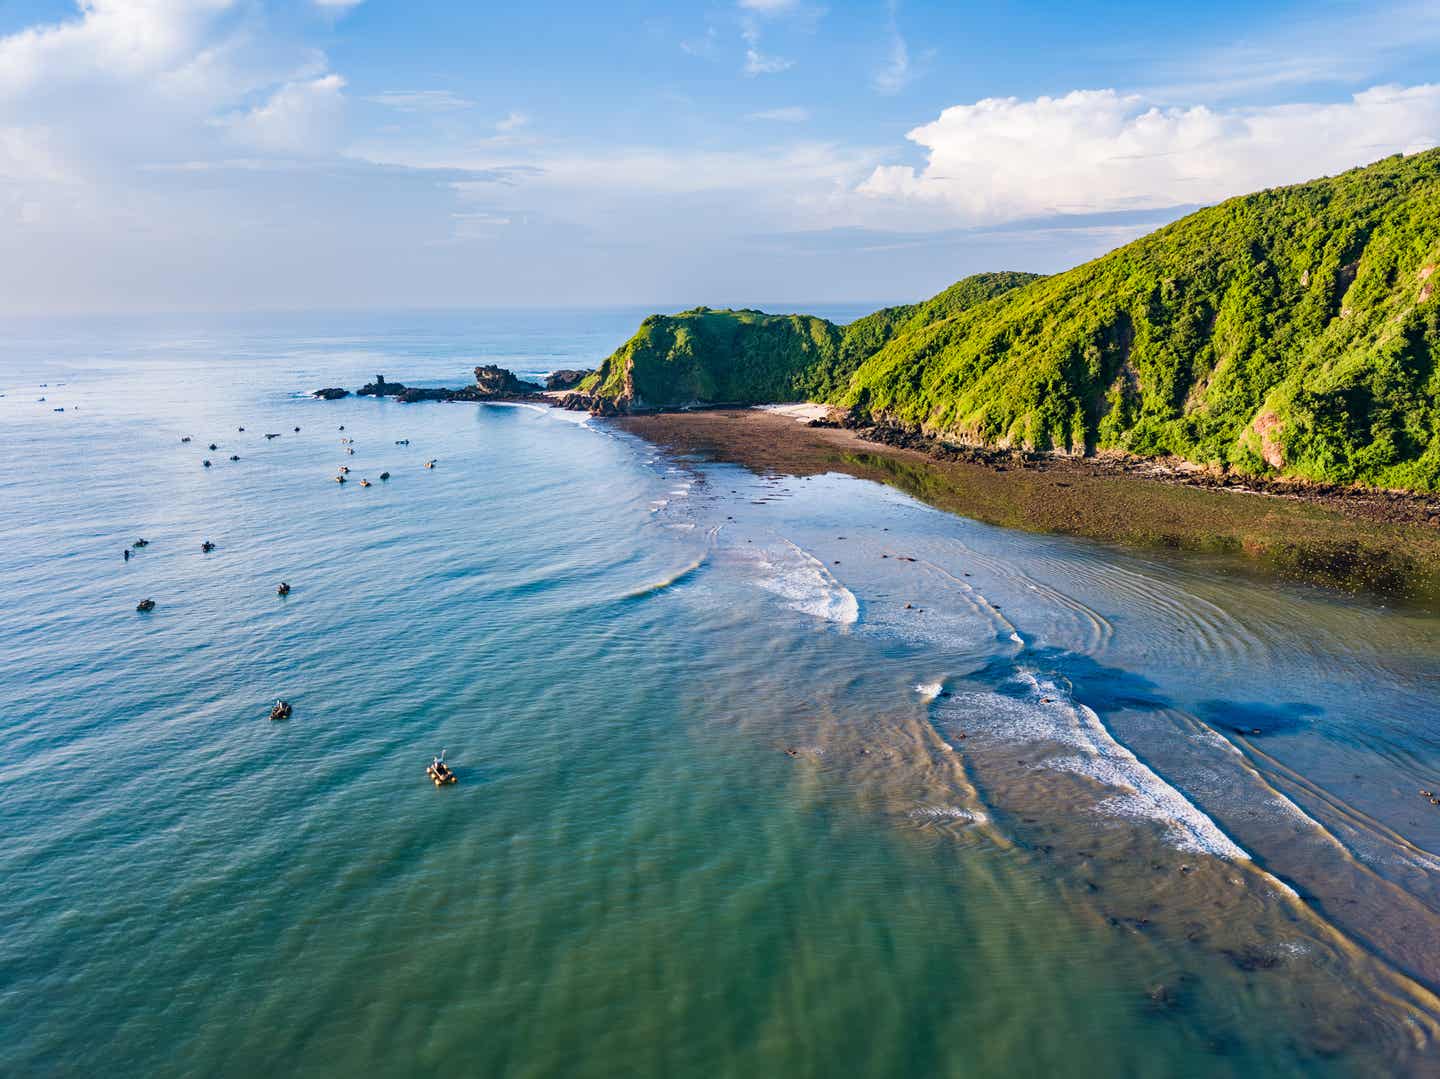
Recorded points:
(896, 74)
(788, 114)
(513, 122)
(769, 7)
(420, 100)
(758, 63)
(338, 5)
(1100, 150)
(300, 117)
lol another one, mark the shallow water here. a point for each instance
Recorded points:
(758, 774)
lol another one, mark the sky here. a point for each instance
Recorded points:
(217, 155)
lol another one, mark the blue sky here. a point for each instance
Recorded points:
(240, 154)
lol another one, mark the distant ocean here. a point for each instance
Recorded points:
(758, 775)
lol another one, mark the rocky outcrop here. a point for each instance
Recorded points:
(381, 388)
(331, 393)
(565, 380)
(491, 381)
(411, 394)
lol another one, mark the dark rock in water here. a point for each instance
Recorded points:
(381, 388)
(591, 403)
(415, 393)
(565, 380)
(331, 393)
(495, 381)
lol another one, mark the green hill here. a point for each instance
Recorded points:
(1293, 331)
(707, 356)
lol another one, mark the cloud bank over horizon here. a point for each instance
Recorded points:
(228, 154)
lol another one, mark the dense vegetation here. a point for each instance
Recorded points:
(1291, 331)
(748, 357)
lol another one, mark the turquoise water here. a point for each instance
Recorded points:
(727, 805)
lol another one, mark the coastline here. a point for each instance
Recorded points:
(1332, 538)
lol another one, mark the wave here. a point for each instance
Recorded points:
(1049, 715)
(803, 581)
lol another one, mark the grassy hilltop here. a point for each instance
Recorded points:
(1293, 332)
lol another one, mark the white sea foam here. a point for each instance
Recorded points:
(807, 586)
(929, 690)
(1139, 793)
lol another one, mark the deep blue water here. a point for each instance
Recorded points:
(758, 774)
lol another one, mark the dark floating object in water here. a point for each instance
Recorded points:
(344, 468)
(127, 554)
(213, 446)
(206, 462)
(234, 457)
(384, 475)
(430, 463)
(349, 450)
(342, 427)
(284, 589)
(207, 546)
(184, 438)
(281, 710)
(398, 441)
(141, 543)
(145, 605)
(297, 428)
(339, 479)
(57, 410)
(439, 771)
(275, 435)
(364, 483)
(241, 429)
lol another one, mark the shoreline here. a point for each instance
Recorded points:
(1375, 542)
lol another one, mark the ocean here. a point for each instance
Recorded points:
(758, 774)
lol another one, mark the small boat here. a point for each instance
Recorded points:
(207, 546)
(281, 710)
(439, 771)
(145, 605)
(284, 589)
(364, 483)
